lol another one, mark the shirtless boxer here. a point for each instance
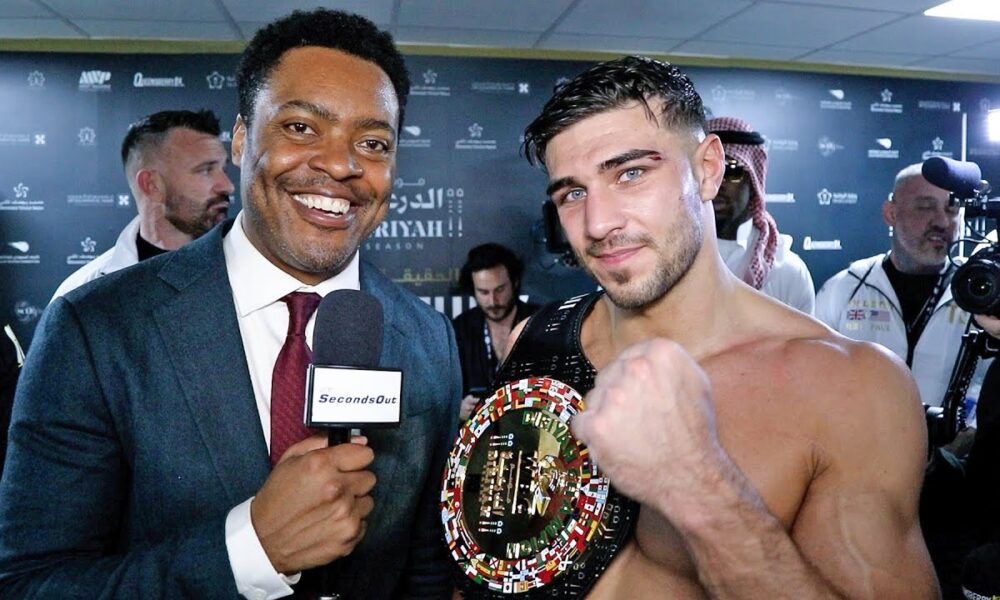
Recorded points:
(771, 457)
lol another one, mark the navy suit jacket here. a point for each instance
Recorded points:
(135, 431)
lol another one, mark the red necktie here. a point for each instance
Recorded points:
(288, 382)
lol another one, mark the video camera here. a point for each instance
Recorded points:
(976, 284)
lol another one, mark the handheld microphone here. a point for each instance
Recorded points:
(961, 178)
(981, 573)
(345, 388)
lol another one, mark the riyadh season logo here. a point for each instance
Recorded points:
(886, 105)
(95, 81)
(217, 81)
(826, 197)
(36, 80)
(430, 86)
(25, 312)
(475, 140)
(827, 146)
(22, 255)
(411, 138)
(937, 149)
(810, 244)
(87, 136)
(884, 149)
(837, 103)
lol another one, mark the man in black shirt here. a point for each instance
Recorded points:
(492, 274)
(175, 166)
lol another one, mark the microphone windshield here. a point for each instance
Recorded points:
(348, 330)
(958, 177)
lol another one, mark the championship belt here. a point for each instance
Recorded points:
(526, 510)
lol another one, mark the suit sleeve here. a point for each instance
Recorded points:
(429, 569)
(65, 491)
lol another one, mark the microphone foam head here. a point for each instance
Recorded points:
(348, 330)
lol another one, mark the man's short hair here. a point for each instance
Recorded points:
(487, 256)
(149, 132)
(906, 173)
(611, 85)
(325, 28)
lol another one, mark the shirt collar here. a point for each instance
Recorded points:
(257, 283)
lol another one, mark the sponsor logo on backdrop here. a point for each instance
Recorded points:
(418, 212)
(430, 86)
(217, 81)
(21, 200)
(226, 136)
(836, 101)
(827, 146)
(884, 149)
(36, 80)
(95, 81)
(887, 105)
(475, 141)
(781, 145)
(810, 244)
(500, 87)
(941, 105)
(20, 256)
(142, 81)
(411, 138)
(22, 139)
(826, 197)
(89, 200)
(783, 98)
(124, 200)
(788, 198)
(88, 252)
(25, 312)
(721, 93)
(937, 149)
(87, 136)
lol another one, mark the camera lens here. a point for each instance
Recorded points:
(976, 284)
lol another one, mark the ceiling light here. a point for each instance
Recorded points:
(980, 10)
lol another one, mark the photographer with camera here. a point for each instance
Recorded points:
(903, 299)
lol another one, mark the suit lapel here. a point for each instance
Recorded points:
(200, 330)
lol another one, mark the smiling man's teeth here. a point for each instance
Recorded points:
(337, 206)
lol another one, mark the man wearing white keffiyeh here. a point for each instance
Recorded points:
(748, 237)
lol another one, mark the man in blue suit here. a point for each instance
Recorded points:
(139, 459)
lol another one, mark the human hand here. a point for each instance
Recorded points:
(649, 422)
(989, 324)
(467, 406)
(311, 509)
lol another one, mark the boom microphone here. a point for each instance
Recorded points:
(961, 178)
(345, 386)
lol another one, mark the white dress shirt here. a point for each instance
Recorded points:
(258, 286)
